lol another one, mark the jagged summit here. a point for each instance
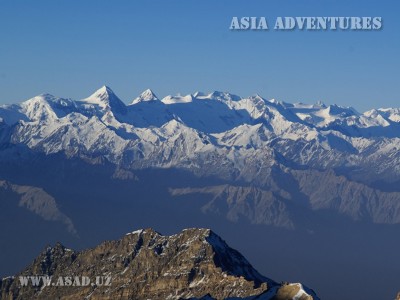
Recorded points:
(216, 95)
(147, 95)
(224, 96)
(106, 99)
(334, 109)
(145, 264)
(181, 130)
(101, 93)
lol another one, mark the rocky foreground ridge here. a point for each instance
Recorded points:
(194, 264)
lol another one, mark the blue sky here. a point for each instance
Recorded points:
(71, 48)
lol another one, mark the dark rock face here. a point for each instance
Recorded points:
(144, 264)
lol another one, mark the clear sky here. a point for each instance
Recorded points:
(71, 48)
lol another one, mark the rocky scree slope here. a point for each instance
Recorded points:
(194, 264)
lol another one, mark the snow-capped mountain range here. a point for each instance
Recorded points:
(239, 135)
(87, 168)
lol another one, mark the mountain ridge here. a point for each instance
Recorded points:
(212, 158)
(144, 264)
(244, 141)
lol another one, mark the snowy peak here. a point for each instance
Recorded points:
(147, 95)
(42, 98)
(177, 99)
(320, 104)
(220, 96)
(105, 99)
(341, 111)
(102, 93)
(46, 107)
(210, 113)
(321, 115)
(393, 114)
